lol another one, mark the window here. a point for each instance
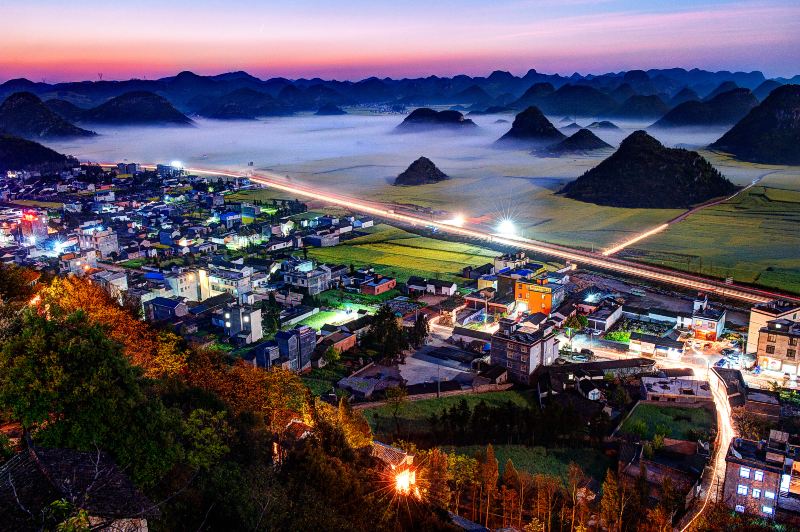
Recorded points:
(793, 341)
(741, 489)
(744, 472)
(759, 476)
(767, 510)
(769, 495)
(790, 353)
(756, 493)
(740, 508)
(771, 338)
(770, 349)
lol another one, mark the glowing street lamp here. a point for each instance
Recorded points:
(506, 227)
(404, 481)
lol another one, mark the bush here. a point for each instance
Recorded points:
(619, 336)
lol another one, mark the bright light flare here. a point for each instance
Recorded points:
(506, 227)
(176, 165)
(404, 481)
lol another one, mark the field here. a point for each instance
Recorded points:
(39, 204)
(415, 414)
(401, 254)
(679, 422)
(321, 380)
(754, 238)
(539, 460)
(325, 317)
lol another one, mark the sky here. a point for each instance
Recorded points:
(61, 40)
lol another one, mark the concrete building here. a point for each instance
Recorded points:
(378, 285)
(230, 278)
(762, 478)
(522, 353)
(164, 308)
(606, 315)
(113, 282)
(762, 313)
(778, 344)
(708, 322)
(538, 294)
(78, 263)
(92, 235)
(297, 345)
(191, 284)
(676, 390)
(648, 344)
(243, 323)
(33, 227)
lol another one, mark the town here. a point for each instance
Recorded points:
(683, 395)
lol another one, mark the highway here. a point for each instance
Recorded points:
(580, 257)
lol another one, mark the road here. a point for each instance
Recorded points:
(586, 258)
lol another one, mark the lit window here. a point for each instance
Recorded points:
(744, 472)
(756, 493)
(740, 508)
(767, 510)
(769, 495)
(759, 476)
(741, 489)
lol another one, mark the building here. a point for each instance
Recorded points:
(648, 344)
(33, 227)
(708, 322)
(165, 308)
(243, 323)
(676, 390)
(762, 313)
(230, 278)
(297, 346)
(113, 282)
(777, 347)
(194, 285)
(312, 281)
(418, 285)
(762, 478)
(378, 285)
(538, 294)
(93, 236)
(520, 352)
(606, 315)
(263, 355)
(77, 263)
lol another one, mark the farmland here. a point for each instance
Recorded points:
(680, 423)
(753, 238)
(401, 254)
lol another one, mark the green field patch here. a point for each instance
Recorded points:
(681, 423)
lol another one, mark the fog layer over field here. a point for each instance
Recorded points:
(361, 154)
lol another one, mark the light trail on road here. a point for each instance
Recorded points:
(597, 260)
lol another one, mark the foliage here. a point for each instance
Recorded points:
(683, 423)
(386, 334)
(618, 336)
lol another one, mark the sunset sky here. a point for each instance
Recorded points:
(61, 40)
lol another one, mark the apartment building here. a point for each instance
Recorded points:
(762, 313)
(778, 345)
(522, 353)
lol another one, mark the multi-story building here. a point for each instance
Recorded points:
(92, 235)
(297, 345)
(33, 227)
(762, 313)
(778, 345)
(312, 281)
(78, 263)
(230, 278)
(708, 321)
(761, 477)
(114, 283)
(521, 353)
(243, 323)
(193, 285)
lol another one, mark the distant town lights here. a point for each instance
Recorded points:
(176, 165)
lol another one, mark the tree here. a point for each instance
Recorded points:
(576, 479)
(271, 315)
(420, 331)
(489, 476)
(331, 355)
(463, 470)
(435, 475)
(386, 334)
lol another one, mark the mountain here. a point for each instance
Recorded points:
(578, 100)
(420, 172)
(20, 154)
(763, 90)
(724, 109)
(603, 124)
(66, 110)
(684, 95)
(770, 133)
(534, 95)
(139, 107)
(473, 94)
(641, 106)
(330, 109)
(642, 173)
(623, 92)
(530, 127)
(425, 118)
(572, 126)
(581, 141)
(491, 110)
(243, 104)
(24, 115)
(725, 86)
